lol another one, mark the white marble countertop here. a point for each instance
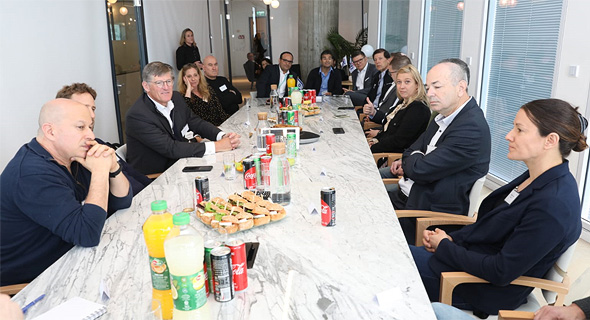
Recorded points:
(302, 271)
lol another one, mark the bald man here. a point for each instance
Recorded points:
(56, 191)
(228, 95)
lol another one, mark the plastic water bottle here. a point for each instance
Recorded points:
(262, 124)
(185, 255)
(280, 187)
(274, 99)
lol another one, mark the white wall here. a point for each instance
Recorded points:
(46, 44)
(285, 30)
(350, 20)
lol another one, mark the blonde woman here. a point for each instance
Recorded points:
(188, 52)
(200, 98)
(406, 121)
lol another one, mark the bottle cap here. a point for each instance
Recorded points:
(181, 219)
(273, 87)
(262, 115)
(278, 148)
(159, 205)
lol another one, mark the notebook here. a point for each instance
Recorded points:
(75, 309)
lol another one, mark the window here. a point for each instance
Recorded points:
(394, 25)
(519, 64)
(443, 21)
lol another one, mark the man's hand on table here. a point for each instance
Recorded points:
(572, 312)
(229, 142)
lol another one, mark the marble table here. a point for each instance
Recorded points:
(302, 271)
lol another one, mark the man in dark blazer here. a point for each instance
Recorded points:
(366, 70)
(325, 80)
(440, 168)
(276, 74)
(228, 95)
(157, 126)
(382, 80)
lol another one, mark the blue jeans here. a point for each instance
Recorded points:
(386, 174)
(446, 312)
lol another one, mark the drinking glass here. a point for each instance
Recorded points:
(229, 166)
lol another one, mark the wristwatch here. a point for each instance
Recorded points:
(116, 173)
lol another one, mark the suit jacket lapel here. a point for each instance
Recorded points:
(158, 115)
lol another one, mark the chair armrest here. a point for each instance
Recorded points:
(357, 107)
(515, 315)
(13, 289)
(370, 124)
(419, 214)
(153, 175)
(449, 280)
(391, 181)
(445, 219)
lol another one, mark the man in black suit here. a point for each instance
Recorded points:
(276, 74)
(159, 121)
(325, 80)
(440, 168)
(362, 78)
(228, 95)
(381, 80)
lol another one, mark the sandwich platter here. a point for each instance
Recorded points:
(240, 212)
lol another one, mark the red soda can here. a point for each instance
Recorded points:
(296, 117)
(328, 198)
(238, 263)
(287, 102)
(249, 174)
(201, 190)
(312, 95)
(306, 95)
(270, 139)
(265, 164)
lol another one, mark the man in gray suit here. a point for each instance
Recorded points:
(361, 85)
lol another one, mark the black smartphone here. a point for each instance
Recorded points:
(197, 168)
(338, 130)
(345, 108)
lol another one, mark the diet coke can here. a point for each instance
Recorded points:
(221, 268)
(238, 263)
(201, 190)
(249, 174)
(328, 198)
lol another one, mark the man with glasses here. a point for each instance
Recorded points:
(160, 125)
(362, 78)
(276, 74)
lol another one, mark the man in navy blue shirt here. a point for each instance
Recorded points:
(325, 80)
(55, 192)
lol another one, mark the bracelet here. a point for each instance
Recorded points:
(116, 173)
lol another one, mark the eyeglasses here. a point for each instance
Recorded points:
(358, 61)
(288, 61)
(160, 83)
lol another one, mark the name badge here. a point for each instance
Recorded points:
(223, 88)
(512, 196)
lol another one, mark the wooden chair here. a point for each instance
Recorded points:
(368, 124)
(122, 154)
(515, 315)
(12, 289)
(554, 285)
(425, 218)
(391, 157)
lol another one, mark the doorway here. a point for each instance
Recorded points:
(128, 55)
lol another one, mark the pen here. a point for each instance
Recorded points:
(33, 303)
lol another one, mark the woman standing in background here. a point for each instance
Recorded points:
(188, 52)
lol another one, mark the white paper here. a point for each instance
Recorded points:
(389, 298)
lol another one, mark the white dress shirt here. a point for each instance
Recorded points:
(443, 122)
(360, 79)
(167, 110)
(282, 82)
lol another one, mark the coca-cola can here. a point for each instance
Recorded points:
(328, 198)
(312, 95)
(270, 139)
(265, 164)
(209, 245)
(287, 102)
(238, 263)
(221, 268)
(201, 190)
(249, 174)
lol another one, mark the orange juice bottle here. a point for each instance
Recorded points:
(155, 229)
(291, 83)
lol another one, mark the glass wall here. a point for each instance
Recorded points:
(394, 25)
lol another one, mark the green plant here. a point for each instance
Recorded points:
(344, 48)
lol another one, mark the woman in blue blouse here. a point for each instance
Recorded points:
(522, 227)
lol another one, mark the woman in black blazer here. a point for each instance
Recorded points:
(523, 227)
(406, 121)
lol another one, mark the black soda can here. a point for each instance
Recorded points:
(201, 190)
(328, 198)
(222, 274)
(249, 174)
